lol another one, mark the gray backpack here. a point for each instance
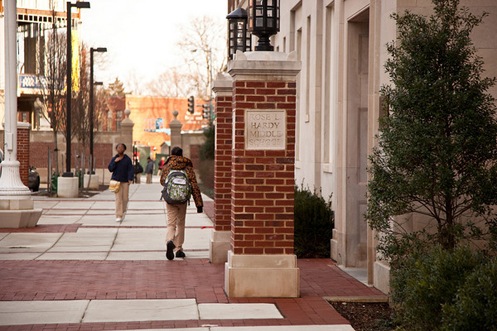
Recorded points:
(177, 188)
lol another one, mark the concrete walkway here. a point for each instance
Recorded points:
(80, 270)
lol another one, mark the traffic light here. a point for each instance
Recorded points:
(206, 111)
(191, 104)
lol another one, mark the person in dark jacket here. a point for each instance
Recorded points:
(149, 169)
(122, 170)
(176, 214)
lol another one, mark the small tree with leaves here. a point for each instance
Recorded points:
(437, 149)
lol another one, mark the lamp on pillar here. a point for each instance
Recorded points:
(238, 38)
(68, 172)
(264, 21)
(92, 83)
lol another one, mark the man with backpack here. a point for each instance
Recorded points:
(179, 182)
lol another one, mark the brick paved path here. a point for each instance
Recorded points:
(46, 280)
(195, 278)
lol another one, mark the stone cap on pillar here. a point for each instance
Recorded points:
(127, 121)
(260, 65)
(175, 123)
(223, 84)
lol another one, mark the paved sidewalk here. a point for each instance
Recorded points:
(80, 270)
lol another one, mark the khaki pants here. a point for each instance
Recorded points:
(149, 178)
(138, 178)
(176, 215)
(122, 198)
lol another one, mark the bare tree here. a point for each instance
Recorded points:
(101, 109)
(81, 117)
(52, 64)
(200, 46)
(134, 84)
(171, 83)
(202, 43)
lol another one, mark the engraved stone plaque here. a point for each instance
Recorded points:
(265, 129)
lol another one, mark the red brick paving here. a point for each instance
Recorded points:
(179, 279)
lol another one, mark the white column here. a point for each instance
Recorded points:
(10, 181)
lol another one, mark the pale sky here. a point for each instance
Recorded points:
(141, 35)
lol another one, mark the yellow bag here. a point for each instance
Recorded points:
(114, 186)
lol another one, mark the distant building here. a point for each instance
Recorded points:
(152, 115)
(342, 46)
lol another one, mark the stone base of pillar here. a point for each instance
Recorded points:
(18, 213)
(219, 246)
(334, 246)
(67, 187)
(93, 181)
(381, 276)
(253, 276)
(19, 218)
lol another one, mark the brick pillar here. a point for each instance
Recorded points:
(262, 262)
(23, 130)
(221, 236)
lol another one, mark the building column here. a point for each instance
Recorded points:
(261, 262)
(16, 204)
(221, 236)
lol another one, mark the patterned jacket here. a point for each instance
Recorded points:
(175, 162)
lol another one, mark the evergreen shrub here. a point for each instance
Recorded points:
(426, 281)
(206, 165)
(474, 308)
(314, 222)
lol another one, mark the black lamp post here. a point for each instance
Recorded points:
(264, 21)
(68, 172)
(92, 83)
(238, 37)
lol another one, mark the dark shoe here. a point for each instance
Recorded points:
(170, 250)
(180, 254)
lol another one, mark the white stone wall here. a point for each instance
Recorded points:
(338, 102)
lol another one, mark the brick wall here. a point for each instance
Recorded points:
(23, 153)
(39, 154)
(222, 167)
(262, 213)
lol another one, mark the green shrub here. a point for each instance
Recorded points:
(206, 177)
(206, 165)
(427, 280)
(314, 222)
(474, 308)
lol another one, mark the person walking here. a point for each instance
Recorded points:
(161, 165)
(149, 170)
(176, 213)
(138, 171)
(122, 170)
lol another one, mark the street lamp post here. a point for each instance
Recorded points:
(68, 172)
(92, 83)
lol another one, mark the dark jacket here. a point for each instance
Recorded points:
(149, 168)
(122, 171)
(175, 162)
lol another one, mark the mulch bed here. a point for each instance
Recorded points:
(366, 316)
